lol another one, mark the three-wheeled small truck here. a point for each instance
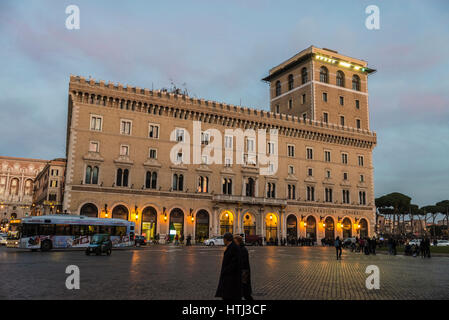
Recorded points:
(100, 243)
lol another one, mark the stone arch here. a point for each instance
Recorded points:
(89, 210)
(292, 227)
(176, 222)
(120, 211)
(227, 219)
(271, 227)
(249, 223)
(346, 226)
(363, 228)
(310, 225)
(202, 225)
(148, 224)
(329, 227)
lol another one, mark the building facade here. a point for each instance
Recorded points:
(49, 188)
(16, 186)
(121, 163)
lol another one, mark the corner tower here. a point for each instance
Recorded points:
(322, 85)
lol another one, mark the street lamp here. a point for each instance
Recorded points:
(136, 212)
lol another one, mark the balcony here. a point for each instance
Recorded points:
(249, 200)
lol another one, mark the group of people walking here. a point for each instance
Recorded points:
(179, 239)
(422, 249)
(235, 275)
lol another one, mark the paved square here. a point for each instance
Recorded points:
(168, 272)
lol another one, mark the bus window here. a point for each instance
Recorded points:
(105, 229)
(120, 231)
(46, 229)
(93, 230)
(63, 230)
(29, 230)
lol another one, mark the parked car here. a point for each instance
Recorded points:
(443, 243)
(3, 237)
(100, 243)
(252, 240)
(215, 241)
(348, 242)
(140, 241)
(415, 242)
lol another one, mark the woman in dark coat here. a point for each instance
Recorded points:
(246, 270)
(230, 283)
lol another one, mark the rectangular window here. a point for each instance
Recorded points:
(53, 183)
(358, 124)
(342, 121)
(361, 161)
(328, 194)
(310, 172)
(96, 123)
(180, 135)
(325, 96)
(277, 109)
(249, 145)
(179, 157)
(327, 156)
(357, 104)
(309, 154)
(291, 150)
(228, 162)
(125, 127)
(270, 147)
(344, 158)
(290, 104)
(310, 193)
(328, 174)
(153, 131)
(205, 138)
(325, 117)
(304, 116)
(291, 192)
(124, 150)
(93, 146)
(345, 196)
(153, 153)
(362, 178)
(291, 169)
(345, 176)
(228, 142)
(204, 160)
(303, 98)
(342, 101)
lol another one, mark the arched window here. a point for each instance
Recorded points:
(14, 188)
(278, 88)
(356, 82)
(175, 182)
(227, 186)
(178, 181)
(28, 187)
(304, 76)
(88, 175)
(89, 210)
(203, 184)
(340, 78)
(154, 180)
(95, 175)
(324, 75)
(151, 180)
(250, 187)
(125, 177)
(119, 177)
(290, 82)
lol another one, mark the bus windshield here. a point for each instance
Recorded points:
(14, 231)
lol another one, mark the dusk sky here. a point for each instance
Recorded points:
(222, 50)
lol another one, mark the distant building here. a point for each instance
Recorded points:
(16, 186)
(49, 188)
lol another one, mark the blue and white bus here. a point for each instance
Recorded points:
(64, 231)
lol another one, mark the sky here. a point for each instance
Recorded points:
(221, 50)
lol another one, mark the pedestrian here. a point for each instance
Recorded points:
(373, 245)
(230, 283)
(189, 238)
(338, 248)
(176, 240)
(246, 270)
(181, 239)
(393, 243)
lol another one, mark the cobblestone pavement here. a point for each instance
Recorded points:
(167, 272)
